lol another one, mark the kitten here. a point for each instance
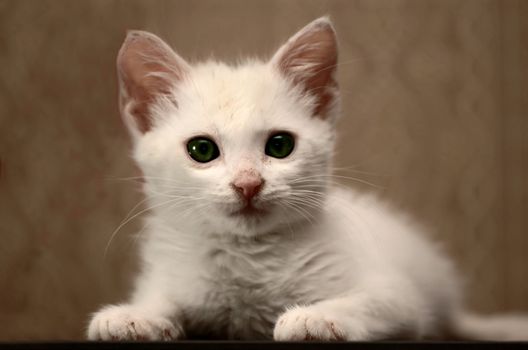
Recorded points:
(247, 238)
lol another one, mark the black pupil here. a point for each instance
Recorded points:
(203, 147)
(278, 143)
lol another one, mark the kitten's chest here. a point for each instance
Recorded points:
(246, 287)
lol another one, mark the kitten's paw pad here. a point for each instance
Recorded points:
(305, 323)
(124, 323)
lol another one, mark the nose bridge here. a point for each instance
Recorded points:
(244, 164)
(247, 175)
(246, 178)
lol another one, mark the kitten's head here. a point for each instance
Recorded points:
(235, 149)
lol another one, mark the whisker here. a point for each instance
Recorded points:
(353, 169)
(310, 202)
(286, 219)
(301, 211)
(162, 179)
(178, 215)
(325, 179)
(127, 220)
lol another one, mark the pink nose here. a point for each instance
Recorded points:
(248, 185)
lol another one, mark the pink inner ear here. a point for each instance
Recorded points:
(309, 58)
(148, 69)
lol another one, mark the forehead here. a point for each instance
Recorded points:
(233, 98)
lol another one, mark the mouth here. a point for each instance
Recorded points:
(249, 211)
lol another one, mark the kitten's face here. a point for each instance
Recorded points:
(239, 150)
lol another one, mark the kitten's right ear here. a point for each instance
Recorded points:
(147, 70)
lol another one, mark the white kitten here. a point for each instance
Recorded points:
(247, 238)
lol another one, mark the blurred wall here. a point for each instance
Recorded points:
(435, 115)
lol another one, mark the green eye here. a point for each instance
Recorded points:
(202, 149)
(280, 145)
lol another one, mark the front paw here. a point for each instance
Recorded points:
(308, 323)
(127, 323)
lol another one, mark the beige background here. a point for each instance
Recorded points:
(435, 111)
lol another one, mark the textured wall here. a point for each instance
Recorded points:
(435, 114)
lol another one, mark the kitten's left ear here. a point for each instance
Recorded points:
(309, 60)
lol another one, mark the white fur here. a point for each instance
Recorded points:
(335, 265)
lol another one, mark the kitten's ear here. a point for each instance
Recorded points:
(147, 70)
(309, 60)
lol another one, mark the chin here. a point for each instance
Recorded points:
(247, 223)
(254, 225)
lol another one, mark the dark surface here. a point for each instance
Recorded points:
(265, 345)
